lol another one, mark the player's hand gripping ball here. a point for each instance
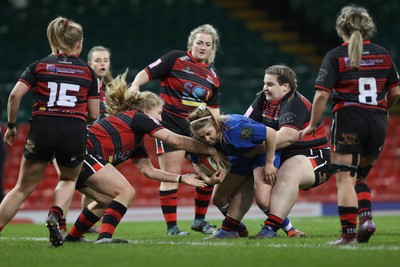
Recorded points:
(208, 166)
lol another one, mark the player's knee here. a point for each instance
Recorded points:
(126, 194)
(131, 194)
(261, 205)
(262, 200)
(220, 202)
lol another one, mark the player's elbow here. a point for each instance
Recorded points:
(92, 117)
(394, 94)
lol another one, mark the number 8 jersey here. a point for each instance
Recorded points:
(61, 86)
(365, 87)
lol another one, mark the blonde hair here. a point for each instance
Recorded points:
(63, 34)
(202, 117)
(355, 23)
(108, 78)
(207, 29)
(119, 99)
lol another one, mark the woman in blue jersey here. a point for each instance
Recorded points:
(188, 79)
(235, 136)
(363, 83)
(66, 97)
(115, 139)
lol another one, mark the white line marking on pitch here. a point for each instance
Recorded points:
(226, 243)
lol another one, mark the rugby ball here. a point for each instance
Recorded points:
(209, 166)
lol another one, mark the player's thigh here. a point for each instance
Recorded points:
(262, 190)
(296, 170)
(70, 173)
(31, 172)
(229, 185)
(109, 181)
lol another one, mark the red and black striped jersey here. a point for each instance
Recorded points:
(293, 110)
(61, 86)
(185, 83)
(119, 137)
(365, 87)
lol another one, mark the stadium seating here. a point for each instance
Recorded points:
(137, 32)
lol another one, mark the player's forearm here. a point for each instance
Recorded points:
(392, 96)
(160, 175)
(270, 145)
(141, 78)
(319, 104)
(192, 145)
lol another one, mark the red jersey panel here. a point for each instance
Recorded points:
(119, 137)
(293, 110)
(61, 86)
(185, 83)
(365, 87)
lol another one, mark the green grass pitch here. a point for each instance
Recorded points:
(28, 245)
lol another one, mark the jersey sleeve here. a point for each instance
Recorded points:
(141, 123)
(162, 66)
(393, 79)
(255, 110)
(293, 114)
(327, 74)
(247, 134)
(214, 101)
(28, 76)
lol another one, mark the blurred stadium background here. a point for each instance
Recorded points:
(254, 35)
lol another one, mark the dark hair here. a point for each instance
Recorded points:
(283, 74)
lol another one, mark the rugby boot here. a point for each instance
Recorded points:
(175, 231)
(223, 234)
(202, 226)
(296, 233)
(345, 239)
(365, 231)
(56, 238)
(266, 232)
